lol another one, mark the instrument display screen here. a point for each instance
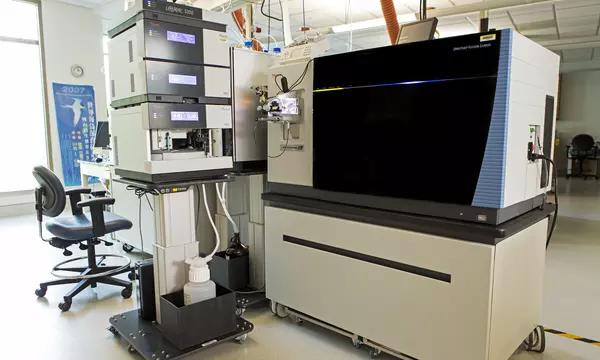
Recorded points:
(182, 79)
(181, 37)
(184, 116)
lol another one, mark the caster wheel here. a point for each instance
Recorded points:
(374, 353)
(241, 339)
(357, 341)
(126, 293)
(127, 248)
(536, 341)
(131, 349)
(113, 330)
(132, 276)
(64, 306)
(41, 292)
(541, 338)
(281, 311)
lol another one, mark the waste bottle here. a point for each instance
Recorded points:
(200, 287)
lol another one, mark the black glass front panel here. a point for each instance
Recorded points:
(416, 132)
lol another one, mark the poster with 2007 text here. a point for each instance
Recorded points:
(76, 123)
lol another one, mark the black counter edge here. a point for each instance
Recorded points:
(461, 230)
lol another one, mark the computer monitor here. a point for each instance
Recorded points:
(417, 31)
(102, 135)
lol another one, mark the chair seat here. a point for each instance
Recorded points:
(79, 227)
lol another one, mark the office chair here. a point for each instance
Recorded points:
(582, 148)
(82, 229)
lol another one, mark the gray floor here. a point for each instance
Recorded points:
(36, 329)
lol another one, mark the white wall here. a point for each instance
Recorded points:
(71, 35)
(579, 110)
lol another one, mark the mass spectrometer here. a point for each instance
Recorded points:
(440, 128)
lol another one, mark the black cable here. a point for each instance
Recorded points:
(262, 7)
(139, 192)
(276, 83)
(301, 78)
(555, 184)
(284, 147)
(554, 219)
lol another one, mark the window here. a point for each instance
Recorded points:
(22, 119)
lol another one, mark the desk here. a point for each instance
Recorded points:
(102, 170)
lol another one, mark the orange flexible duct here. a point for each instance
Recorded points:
(391, 19)
(240, 21)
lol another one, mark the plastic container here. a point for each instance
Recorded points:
(200, 287)
(195, 324)
(230, 272)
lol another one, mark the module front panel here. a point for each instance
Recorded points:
(186, 44)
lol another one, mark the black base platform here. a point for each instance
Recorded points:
(249, 299)
(145, 337)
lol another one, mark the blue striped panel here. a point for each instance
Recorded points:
(490, 186)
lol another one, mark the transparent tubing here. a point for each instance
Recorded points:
(212, 223)
(221, 196)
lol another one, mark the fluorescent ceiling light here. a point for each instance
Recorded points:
(371, 24)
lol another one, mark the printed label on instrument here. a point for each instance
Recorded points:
(488, 37)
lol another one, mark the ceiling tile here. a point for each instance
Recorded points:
(576, 55)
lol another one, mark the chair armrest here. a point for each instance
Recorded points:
(78, 190)
(101, 201)
(75, 197)
(99, 193)
(96, 206)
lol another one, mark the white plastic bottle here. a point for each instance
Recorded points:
(199, 287)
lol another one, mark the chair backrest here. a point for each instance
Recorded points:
(582, 142)
(53, 193)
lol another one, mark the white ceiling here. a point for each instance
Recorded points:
(551, 22)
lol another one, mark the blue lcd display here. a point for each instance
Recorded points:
(184, 116)
(181, 37)
(182, 79)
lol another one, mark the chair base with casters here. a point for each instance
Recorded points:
(86, 230)
(90, 276)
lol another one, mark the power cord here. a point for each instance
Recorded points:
(301, 78)
(262, 10)
(139, 192)
(287, 140)
(555, 185)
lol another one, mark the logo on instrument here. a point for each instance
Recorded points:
(488, 37)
